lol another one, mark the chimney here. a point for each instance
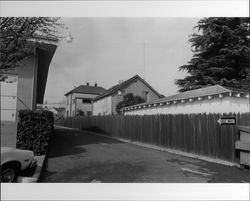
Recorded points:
(95, 84)
(87, 84)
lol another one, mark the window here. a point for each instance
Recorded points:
(67, 100)
(80, 113)
(86, 100)
(120, 92)
(145, 95)
(88, 113)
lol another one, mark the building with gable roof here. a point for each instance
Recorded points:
(105, 104)
(78, 100)
(212, 99)
(24, 86)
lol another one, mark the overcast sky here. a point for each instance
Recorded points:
(106, 50)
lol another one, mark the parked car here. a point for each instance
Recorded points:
(13, 161)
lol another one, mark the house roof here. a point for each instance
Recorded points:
(202, 92)
(205, 91)
(122, 85)
(86, 89)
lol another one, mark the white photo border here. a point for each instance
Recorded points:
(135, 191)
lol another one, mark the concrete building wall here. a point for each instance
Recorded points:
(115, 100)
(84, 107)
(103, 106)
(137, 88)
(216, 105)
(74, 102)
(68, 105)
(25, 74)
(25, 88)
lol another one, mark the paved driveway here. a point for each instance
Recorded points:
(83, 156)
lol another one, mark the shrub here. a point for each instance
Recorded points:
(129, 100)
(34, 129)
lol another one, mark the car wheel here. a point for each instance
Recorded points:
(9, 173)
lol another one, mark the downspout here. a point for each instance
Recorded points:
(75, 105)
(34, 90)
(70, 105)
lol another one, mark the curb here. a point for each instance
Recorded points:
(40, 162)
(39, 168)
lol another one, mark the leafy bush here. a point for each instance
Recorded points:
(34, 129)
(129, 100)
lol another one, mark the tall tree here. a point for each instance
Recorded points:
(16, 34)
(128, 100)
(221, 54)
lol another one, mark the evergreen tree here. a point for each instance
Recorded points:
(221, 54)
(16, 34)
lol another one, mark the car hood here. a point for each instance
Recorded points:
(12, 154)
(5, 149)
(11, 149)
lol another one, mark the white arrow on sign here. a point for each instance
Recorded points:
(219, 121)
(229, 121)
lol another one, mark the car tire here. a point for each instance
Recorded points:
(9, 173)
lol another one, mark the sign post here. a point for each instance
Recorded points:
(227, 121)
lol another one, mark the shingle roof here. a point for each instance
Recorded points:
(205, 91)
(86, 89)
(122, 85)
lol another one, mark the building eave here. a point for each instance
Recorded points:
(124, 85)
(45, 53)
(165, 102)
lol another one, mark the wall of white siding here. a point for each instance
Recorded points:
(216, 105)
(137, 88)
(103, 106)
(85, 107)
(72, 106)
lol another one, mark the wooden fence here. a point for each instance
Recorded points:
(199, 134)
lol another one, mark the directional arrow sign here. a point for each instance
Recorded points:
(227, 121)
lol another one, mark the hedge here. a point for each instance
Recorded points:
(34, 129)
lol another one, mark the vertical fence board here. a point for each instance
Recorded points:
(193, 133)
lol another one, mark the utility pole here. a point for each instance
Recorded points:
(144, 61)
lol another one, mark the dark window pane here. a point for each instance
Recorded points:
(85, 100)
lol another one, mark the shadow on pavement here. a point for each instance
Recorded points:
(100, 172)
(70, 142)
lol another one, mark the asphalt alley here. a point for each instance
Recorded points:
(83, 156)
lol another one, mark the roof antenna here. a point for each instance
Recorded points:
(144, 61)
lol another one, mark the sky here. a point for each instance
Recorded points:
(107, 50)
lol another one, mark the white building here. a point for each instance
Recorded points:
(78, 100)
(105, 104)
(213, 99)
